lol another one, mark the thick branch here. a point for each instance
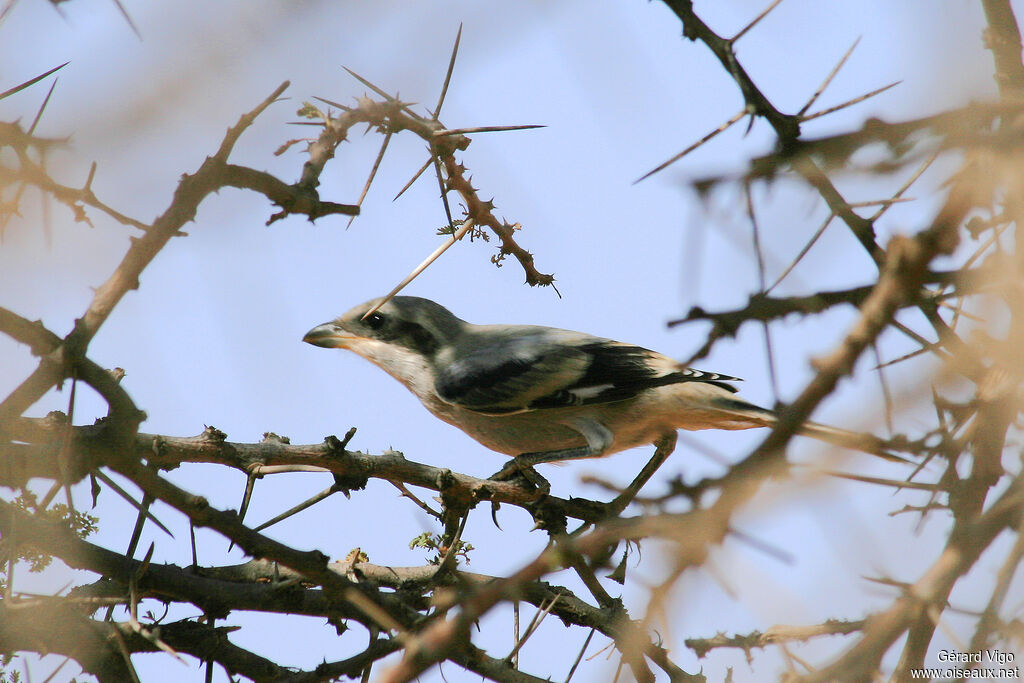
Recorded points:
(90, 447)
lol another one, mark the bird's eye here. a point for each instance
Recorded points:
(375, 321)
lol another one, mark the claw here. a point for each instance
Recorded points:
(519, 470)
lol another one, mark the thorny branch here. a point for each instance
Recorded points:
(391, 116)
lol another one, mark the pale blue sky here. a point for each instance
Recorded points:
(213, 334)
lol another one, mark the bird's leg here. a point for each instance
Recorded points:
(522, 465)
(663, 448)
(598, 437)
(531, 459)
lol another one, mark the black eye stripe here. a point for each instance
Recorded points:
(411, 335)
(420, 338)
(396, 328)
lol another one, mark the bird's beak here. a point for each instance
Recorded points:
(329, 335)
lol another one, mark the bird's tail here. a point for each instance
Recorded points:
(762, 417)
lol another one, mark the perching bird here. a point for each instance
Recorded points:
(525, 389)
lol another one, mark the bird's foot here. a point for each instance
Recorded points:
(522, 464)
(521, 472)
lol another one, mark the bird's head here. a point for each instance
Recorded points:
(404, 325)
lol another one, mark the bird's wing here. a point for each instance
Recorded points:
(542, 373)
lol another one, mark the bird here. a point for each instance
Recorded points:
(543, 393)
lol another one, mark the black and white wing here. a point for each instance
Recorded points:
(556, 369)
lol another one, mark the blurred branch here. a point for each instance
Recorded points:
(968, 126)
(905, 269)
(34, 174)
(966, 542)
(62, 628)
(773, 636)
(1002, 37)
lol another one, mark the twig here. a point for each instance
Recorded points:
(448, 74)
(463, 229)
(755, 21)
(828, 79)
(665, 164)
